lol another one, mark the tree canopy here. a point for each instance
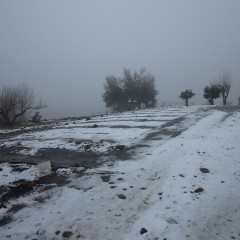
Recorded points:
(130, 91)
(185, 95)
(211, 92)
(113, 92)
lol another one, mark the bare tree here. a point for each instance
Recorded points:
(225, 85)
(15, 102)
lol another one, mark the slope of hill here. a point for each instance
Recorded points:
(176, 177)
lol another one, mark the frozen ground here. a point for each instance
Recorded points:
(102, 132)
(184, 184)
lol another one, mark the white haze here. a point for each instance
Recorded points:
(64, 49)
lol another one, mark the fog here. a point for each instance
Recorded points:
(64, 49)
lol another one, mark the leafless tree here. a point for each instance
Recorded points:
(225, 85)
(15, 102)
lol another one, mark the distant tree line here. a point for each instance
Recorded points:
(134, 90)
(137, 90)
(214, 91)
(222, 88)
(131, 91)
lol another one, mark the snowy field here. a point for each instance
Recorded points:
(104, 132)
(185, 184)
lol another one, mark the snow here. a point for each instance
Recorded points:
(158, 183)
(182, 214)
(119, 129)
(8, 175)
(8, 130)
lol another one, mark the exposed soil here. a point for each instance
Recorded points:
(165, 131)
(5, 220)
(23, 187)
(106, 178)
(59, 158)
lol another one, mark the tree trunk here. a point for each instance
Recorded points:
(186, 102)
(224, 101)
(211, 101)
(8, 121)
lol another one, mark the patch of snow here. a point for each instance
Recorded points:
(13, 172)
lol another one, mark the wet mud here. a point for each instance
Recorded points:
(23, 187)
(165, 131)
(60, 158)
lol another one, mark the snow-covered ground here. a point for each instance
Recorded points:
(125, 128)
(183, 187)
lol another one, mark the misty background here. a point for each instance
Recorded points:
(64, 49)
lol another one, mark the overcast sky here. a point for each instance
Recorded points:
(64, 49)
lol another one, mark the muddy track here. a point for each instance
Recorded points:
(157, 135)
(60, 158)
